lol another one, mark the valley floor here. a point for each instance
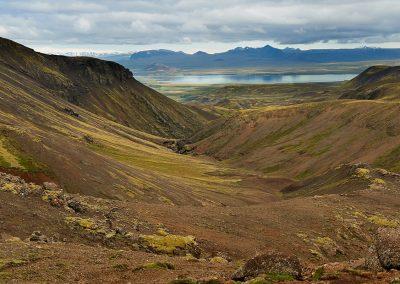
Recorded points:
(80, 239)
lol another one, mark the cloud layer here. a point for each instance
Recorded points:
(168, 21)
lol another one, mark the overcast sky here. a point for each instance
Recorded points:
(191, 25)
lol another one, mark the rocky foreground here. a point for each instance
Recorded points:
(85, 240)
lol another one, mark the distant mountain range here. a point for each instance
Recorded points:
(266, 56)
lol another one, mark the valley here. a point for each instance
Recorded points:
(103, 179)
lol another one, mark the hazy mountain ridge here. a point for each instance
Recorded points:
(255, 57)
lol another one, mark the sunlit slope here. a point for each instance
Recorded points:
(94, 156)
(299, 141)
(45, 137)
(104, 88)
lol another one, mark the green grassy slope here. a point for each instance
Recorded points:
(104, 88)
(48, 132)
(92, 155)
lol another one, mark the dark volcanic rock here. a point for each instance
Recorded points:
(71, 112)
(77, 206)
(271, 262)
(388, 247)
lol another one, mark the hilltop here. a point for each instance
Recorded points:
(102, 87)
(377, 82)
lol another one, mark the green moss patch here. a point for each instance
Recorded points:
(362, 173)
(83, 223)
(278, 277)
(169, 244)
(383, 222)
(8, 263)
(11, 156)
(218, 259)
(7, 159)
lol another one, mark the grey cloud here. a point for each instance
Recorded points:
(167, 21)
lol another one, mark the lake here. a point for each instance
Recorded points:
(208, 79)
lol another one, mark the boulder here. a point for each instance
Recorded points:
(388, 247)
(76, 205)
(37, 236)
(271, 262)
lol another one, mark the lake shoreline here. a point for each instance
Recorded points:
(248, 79)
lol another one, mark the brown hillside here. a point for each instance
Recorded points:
(299, 141)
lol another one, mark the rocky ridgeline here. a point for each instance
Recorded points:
(49, 192)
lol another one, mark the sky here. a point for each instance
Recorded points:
(60, 26)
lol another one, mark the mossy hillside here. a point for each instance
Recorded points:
(120, 267)
(99, 230)
(164, 163)
(270, 278)
(332, 133)
(304, 174)
(259, 280)
(147, 168)
(343, 179)
(273, 137)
